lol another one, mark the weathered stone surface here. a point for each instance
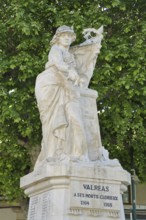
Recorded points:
(67, 107)
(74, 191)
(73, 178)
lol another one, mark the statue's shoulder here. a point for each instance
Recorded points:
(55, 48)
(55, 51)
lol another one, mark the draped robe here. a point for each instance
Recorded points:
(58, 102)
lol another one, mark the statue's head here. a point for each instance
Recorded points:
(61, 31)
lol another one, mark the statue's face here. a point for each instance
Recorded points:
(65, 39)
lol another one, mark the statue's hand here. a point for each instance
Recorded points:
(73, 75)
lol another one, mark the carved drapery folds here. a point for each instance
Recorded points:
(68, 111)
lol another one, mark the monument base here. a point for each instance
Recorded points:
(76, 191)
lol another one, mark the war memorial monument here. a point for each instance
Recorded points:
(73, 178)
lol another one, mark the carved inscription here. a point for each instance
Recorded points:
(40, 207)
(46, 206)
(33, 208)
(95, 196)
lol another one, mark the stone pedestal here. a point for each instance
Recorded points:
(88, 105)
(76, 191)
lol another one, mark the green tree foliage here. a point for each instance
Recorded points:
(120, 78)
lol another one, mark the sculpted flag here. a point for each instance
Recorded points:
(86, 54)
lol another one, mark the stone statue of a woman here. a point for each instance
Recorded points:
(72, 158)
(58, 102)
